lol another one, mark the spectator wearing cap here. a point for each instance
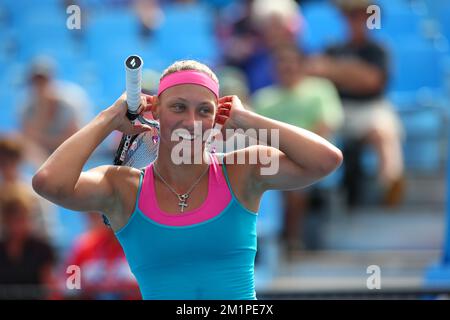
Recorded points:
(359, 69)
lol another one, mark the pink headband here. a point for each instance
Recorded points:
(188, 77)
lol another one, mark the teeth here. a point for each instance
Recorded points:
(187, 136)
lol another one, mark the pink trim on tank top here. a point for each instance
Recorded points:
(218, 198)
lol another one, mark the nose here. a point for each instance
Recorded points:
(191, 121)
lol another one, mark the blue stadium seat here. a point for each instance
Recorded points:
(443, 19)
(73, 224)
(62, 49)
(402, 99)
(111, 28)
(270, 215)
(153, 57)
(398, 5)
(440, 11)
(192, 27)
(423, 155)
(8, 120)
(416, 64)
(324, 25)
(17, 9)
(40, 15)
(269, 225)
(8, 97)
(110, 37)
(423, 122)
(397, 21)
(43, 31)
(6, 47)
(400, 23)
(424, 128)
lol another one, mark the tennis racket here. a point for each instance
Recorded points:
(138, 150)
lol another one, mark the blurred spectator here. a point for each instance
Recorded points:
(11, 156)
(278, 22)
(237, 34)
(99, 5)
(53, 111)
(308, 102)
(150, 15)
(359, 69)
(233, 82)
(185, 1)
(26, 261)
(254, 28)
(105, 273)
(150, 81)
(219, 4)
(11, 160)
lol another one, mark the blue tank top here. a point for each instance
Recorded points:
(209, 259)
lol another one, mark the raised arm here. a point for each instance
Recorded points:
(61, 180)
(303, 157)
(351, 75)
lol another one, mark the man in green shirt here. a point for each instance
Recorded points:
(308, 102)
(311, 103)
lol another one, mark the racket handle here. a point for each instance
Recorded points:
(133, 71)
(131, 116)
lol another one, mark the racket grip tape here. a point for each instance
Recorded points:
(133, 71)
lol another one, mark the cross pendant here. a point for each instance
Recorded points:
(182, 202)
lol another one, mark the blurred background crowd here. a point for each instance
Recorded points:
(373, 80)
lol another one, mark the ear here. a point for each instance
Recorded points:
(156, 108)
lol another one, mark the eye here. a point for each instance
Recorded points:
(178, 107)
(205, 110)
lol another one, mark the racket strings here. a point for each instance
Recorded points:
(142, 151)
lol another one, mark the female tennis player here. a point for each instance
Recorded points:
(188, 230)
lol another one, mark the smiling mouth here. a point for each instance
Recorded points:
(186, 136)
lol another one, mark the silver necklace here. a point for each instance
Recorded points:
(181, 197)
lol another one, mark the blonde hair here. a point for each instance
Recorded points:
(189, 65)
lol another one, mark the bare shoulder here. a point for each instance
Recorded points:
(125, 182)
(119, 177)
